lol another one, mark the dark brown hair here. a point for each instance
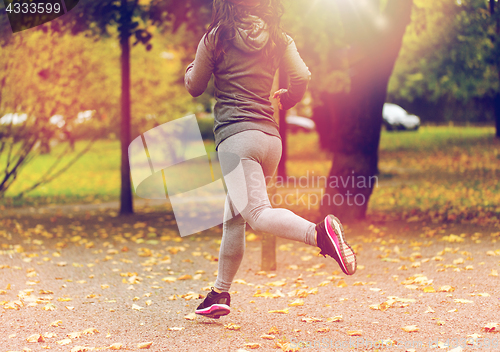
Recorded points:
(225, 17)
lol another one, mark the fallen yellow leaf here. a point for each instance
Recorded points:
(56, 323)
(64, 342)
(310, 320)
(231, 326)
(282, 311)
(267, 337)
(35, 338)
(252, 345)
(446, 288)
(79, 349)
(410, 328)
(336, 318)
(190, 316)
(296, 303)
(491, 327)
(460, 300)
(144, 345)
(136, 307)
(74, 335)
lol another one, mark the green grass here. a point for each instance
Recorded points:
(430, 138)
(96, 176)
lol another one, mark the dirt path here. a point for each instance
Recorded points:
(126, 278)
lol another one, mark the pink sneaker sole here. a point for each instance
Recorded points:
(214, 311)
(344, 251)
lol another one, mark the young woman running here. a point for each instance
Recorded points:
(243, 48)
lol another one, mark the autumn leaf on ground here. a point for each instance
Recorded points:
(231, 326)
(313, 291)
(64, 342)
(49, 306)
(282, 311)
(334, 319)
(491, 327)
(175, 328)
(60, 299)
(277, 283)
(323, 330)
(267, 294)
(80, 349)
(74, 335)
(267, 337)
(90, 331)
(190, 316)
(13, 305)
(296, 303)
(429, 310)
(341, 283)
(310, 320)
(410, 328)
(273, 331)
(252, 345)
(191, 295)
(144, 345)
(115, 346)
(56, 323)
(429, 289)
(460, 300)
(35, 338)
(354, 332)
(446, 288)
(286, 346)
(136, 307)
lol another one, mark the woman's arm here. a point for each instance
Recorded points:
(299, 76)
(198, 73)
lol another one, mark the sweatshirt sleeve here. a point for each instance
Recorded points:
(198, 73)
(298, 74)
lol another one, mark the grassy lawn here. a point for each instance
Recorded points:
(453, 167)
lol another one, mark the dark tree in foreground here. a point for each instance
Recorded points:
(354, 118)
(495, 16)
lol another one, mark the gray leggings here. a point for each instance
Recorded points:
(259, 154)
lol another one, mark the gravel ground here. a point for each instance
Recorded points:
(93, 280)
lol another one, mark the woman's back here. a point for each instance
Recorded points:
(244, 66)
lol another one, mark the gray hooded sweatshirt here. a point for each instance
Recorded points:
(243, 80)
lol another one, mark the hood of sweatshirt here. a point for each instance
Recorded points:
(251, 34)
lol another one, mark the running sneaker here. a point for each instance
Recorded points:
(331, 241)
(215, 305)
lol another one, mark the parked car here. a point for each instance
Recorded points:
(299, 123)
(396, 118)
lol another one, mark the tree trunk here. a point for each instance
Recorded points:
(356, 116)
(268, 245)
(497, 40)
(497, 108)
(283, 83)
(126, 202)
